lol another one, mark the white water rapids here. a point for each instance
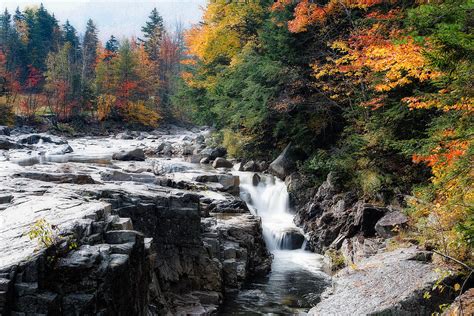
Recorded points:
(296, 280)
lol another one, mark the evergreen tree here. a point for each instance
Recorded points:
(89, 51)
(112, 44)
(5, 29)
(69, 35)
(153, 32)
(43, 35)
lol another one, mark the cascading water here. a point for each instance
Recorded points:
(296, 280)
(268, 198)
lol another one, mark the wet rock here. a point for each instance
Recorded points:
(222, 163)
(5, 198)
(36, 138)
(4, 130)
(291, 240)
(57, 177)
(250, 166)
(130, 155)
(256, 179)
(283, 165)
(387, 283)
(392, 221)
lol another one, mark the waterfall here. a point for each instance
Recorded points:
(268, 198)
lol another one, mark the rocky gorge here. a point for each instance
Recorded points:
(153, 223)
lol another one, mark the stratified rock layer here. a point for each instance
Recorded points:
(125, 241)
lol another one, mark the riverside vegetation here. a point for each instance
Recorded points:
(374, 97)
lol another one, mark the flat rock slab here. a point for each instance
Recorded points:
(390, 283)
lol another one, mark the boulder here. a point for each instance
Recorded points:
(389, 223)
(229, 182)
(283, 165)
(36, 138)
(389, 283)
(205, 160)
(262, 166)
(256, 179)
(228, 206)
(4, 130)
(250, 166)
(61, 150)
(214, 153)
(222, 163)
(136, 154)
(165, 149)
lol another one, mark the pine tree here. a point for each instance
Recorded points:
(69, 35)
(112, 44)
(153, 32)
(89, 51)
(5, 29)
(44, 35)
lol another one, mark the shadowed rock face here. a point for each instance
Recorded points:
(126, 241)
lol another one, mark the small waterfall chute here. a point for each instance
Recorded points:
(270, 200)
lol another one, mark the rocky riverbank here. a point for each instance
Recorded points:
(382, 275)
(132, 228)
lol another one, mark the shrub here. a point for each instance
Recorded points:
(234, 142)
(138, 113)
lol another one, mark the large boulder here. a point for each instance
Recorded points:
(391, 283)
(222, 163)
(214, 152)
(390, 223)
(283, 165)
(130, 155)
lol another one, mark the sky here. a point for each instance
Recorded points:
(122, 18)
